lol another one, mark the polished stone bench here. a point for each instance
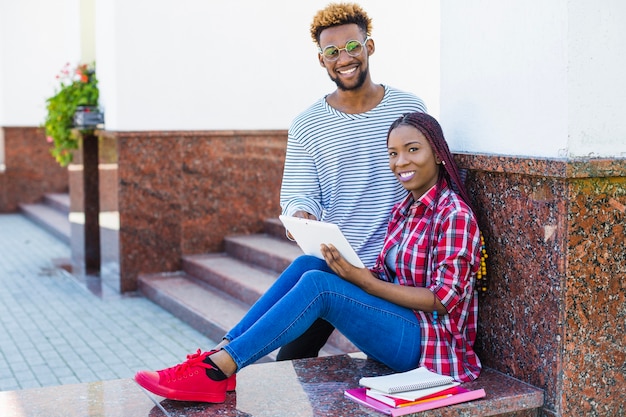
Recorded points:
(299, 388)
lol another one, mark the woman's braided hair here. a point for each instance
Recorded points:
(431, 129)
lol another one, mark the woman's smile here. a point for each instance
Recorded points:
(406, 176)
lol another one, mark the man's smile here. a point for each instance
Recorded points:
(347, 71)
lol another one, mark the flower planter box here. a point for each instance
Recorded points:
(88, 117)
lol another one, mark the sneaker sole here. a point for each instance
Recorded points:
(179, 396)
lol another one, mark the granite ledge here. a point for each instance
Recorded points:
(544, 167)
(307, 387)
(190, 133)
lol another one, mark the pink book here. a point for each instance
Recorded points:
(429, 405)
(358, 395)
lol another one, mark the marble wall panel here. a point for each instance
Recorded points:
(108, 181)
(107, 157)
(519, 318)
(31, 171)
(594, 302)
(554, 315)
(108, 211)
(150, 205)
(183, 192)
(4, 196)
(232, 184)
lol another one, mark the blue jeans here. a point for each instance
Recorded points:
(308, 290)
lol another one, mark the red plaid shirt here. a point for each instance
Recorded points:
(447, 343)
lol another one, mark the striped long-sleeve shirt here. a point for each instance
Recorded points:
(337, 169)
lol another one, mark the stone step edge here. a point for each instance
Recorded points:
(262, 250)
(215, 270)
(186, 298)
(53, 221)
(58, 201)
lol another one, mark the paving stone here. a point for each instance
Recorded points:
(52, 325)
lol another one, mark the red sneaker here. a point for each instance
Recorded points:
(231, 381)
(187, 381)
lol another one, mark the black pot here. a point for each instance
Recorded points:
(88, 117)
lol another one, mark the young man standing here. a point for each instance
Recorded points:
(336, 167)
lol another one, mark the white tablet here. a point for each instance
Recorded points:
(310, 234)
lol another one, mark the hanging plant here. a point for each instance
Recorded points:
(78, 87)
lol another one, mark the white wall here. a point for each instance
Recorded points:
(504, 76)
(37, 38)
(518, 77)
(87, 23)
(534, 78)
(597, 80)
(242, 64)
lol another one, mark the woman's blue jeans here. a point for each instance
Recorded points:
(308, 290)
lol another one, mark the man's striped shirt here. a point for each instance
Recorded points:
(337, 168)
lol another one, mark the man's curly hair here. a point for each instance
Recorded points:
(336, 14)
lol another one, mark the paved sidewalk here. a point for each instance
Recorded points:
(54, 331)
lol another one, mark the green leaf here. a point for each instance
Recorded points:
(77, 86)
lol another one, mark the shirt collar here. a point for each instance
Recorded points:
(426, 200)
(428, 197)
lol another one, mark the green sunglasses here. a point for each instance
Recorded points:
(352, 48)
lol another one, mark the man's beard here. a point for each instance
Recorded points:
(343, 87)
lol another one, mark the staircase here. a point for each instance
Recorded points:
(214, 291)
(52, 214)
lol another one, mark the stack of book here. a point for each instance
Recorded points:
(410, 392)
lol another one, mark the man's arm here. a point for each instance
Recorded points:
(300, 192)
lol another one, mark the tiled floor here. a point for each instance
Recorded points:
(54, 331)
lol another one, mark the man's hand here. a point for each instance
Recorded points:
(303, 215)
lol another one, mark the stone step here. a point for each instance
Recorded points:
(205, 308)
(58, 201)
(49, 218)
(274, 227)
(208, 310)
(238, 279)
(304, 387)
(246, 282)
(262, 250)
(232, 280)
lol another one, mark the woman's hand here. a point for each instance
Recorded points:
(417, 298)
(343, 268)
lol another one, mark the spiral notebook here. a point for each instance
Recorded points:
(416, 379)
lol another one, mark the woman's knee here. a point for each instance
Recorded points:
(306, 263)
(301, 265)
(321, 280)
